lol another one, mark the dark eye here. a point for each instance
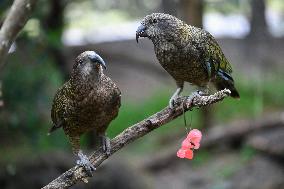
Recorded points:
(80, 62)
(154, 20)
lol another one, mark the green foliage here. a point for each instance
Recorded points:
(256, 97)
(28, 89)
(227, 171)
(247, 153)
(4, 5)
(200, 156)
(131, 113)
(277, 5)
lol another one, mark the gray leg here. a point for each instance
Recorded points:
(83, 159)
(85, 163)
(174, 97)
(176, 94)
(106, 144)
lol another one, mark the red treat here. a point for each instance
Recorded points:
(191, 142)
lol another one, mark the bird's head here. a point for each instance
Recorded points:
(159, 26)
(89, 63)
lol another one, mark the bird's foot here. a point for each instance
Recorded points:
(174, 97)
(194, 95)
(106, 144)
(85, 163)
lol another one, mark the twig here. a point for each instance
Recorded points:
(13, 24)
(134, 132)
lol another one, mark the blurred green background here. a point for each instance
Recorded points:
(249, 31)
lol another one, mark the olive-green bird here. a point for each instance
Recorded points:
(88, 101)
(187, 53)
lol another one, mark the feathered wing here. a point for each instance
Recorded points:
(218, 56)
(59, 106)
(223, 70)
(217, 65)
(116, 96)
(212, 54)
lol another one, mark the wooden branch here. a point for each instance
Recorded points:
(134, 132)
(13, 24)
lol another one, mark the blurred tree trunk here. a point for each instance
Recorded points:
(259, 29)
(169, 7)
(53, 25)
(259, 39)
(191, 11)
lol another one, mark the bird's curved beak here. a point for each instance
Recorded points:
(102, 62)
(141, 32)
(99, 60)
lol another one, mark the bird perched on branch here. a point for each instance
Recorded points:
(187, 53)
(88, 101)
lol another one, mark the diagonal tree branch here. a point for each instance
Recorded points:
(134, 132)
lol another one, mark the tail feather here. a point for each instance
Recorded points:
(234, 93)
(225, 81)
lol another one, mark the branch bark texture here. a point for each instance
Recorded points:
(13, 24)
(134, 132)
